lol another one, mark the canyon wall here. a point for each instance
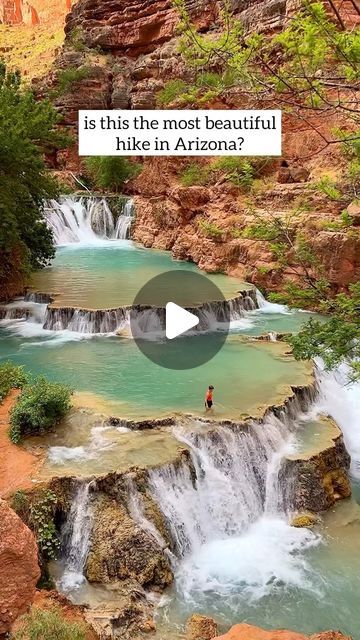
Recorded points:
(126, 53)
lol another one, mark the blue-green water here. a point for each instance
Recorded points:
(111, 274)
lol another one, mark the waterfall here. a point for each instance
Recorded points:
(340, 399)
(76, 538)
(270, 307)
(234, 477)
(87, 220)
(146, 322)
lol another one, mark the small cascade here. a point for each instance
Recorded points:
(270, 307)
(87, 220)
(146, 322)
(76, 538)
(125, 220)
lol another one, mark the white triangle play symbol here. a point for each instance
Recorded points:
(178, 320)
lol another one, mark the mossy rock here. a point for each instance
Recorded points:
(304, 520)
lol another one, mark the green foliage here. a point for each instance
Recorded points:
(11, 377)
(239, 171)
(20, 504)
(194, 173)
(339, 225)
(41, 520)
(27, 130)
(76, 39)
(171, 92)
(291, 63)
(110, 172)
(68, 77)
(327, 186)
(336, 340)
(48, 625)
(263, 230)
(210, 229)
(40, 407)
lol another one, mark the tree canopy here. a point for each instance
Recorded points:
(27, 132)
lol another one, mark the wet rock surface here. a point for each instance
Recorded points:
(120, 549)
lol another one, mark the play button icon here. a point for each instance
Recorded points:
(178, 320)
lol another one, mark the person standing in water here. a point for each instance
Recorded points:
(209, 398)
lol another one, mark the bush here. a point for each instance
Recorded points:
(110, 172)
(68, 77)
(194, 174)
(327, 186)
(48, 625)
(11, 377)
(172, 90)
(210, 229)
(238, 170)
(40, 407)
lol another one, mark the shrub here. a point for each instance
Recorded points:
(194, 174)
(238, 170)
(261, 231)
(210, 229)
(171, 91)
(68, 77)
(110, 172)
(40, 407)
(327, 186)
(338, 225)
(48, 625)
(11, 377)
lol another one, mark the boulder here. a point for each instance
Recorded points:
(200, 628)
(354, 211)
(19, 567)
(249, 632)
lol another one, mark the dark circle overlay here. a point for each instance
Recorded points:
(198, 295)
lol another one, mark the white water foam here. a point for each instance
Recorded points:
(98, 444)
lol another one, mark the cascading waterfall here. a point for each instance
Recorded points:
(227, 511)
(149, 321)
(76, 538)
(87, 220)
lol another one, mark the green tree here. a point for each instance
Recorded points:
(27, 132)
(110, 172)
(336, 340)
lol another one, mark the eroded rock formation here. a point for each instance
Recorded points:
(121, 550)
(249, 632)
(19, 568)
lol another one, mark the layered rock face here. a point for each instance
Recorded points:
(19, 568)
(142, 40)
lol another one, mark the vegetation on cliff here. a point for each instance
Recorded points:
(27, 132)
(110, 172)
